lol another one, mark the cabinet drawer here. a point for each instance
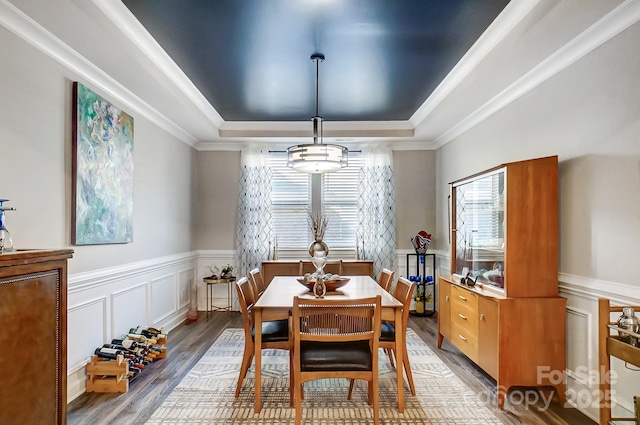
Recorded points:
(465, 340)
(463, 300)
(465, 318)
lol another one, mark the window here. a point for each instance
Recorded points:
(481, 209)
(292, 197)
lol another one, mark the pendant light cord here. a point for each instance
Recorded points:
(317, 59)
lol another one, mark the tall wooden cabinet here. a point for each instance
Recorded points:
(33, 337)
(504, 233)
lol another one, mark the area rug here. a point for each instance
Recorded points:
(206, 394)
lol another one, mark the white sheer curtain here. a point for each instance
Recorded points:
(253, 239)
(376, 231)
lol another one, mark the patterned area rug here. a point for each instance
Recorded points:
(206, 394)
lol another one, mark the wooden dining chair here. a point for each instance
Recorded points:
(275, 334)
(385, 279)
(257, 282)
(336, 338)
(332, 266)
(403, 292)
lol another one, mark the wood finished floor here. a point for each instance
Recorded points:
(190, 341)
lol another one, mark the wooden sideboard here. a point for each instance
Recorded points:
(291, 268)
(33, 341)
(518, 341)
(504, 240)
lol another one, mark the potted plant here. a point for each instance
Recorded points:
(421, 299)
(226, 272)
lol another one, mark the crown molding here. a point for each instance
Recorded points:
(36, 35)
(414, 145)
(125, 21)
(224, 146)
(499, 29)
(331, 129)
(401, 145)
(616, 21)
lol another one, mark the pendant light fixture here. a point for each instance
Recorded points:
(317, 157)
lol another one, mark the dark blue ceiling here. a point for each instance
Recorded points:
(250, 58)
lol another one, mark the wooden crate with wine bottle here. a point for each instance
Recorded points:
(113, 365)
(108, 376)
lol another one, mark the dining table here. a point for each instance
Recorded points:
(276, 303)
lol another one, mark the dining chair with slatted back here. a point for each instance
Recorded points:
(403, 292)
(332, 266)
(275, 334)
(385, 279)
(335, 338)
(257, 282)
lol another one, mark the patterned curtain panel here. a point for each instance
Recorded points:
(253, 239)
(376, 212)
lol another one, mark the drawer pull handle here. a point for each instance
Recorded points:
(461, 337)
(463, 317)
(446, 298)
(462, 298)
(481, 316)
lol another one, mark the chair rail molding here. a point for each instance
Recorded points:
(592, 289)
(88, 280)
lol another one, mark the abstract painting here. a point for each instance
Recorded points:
(102, 165)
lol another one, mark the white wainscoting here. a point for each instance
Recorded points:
(106, 303)
(582, 372)
(582, 345)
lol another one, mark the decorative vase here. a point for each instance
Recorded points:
(318, 245)
(319, 260)
(320, 288)
(6, 242)
(192, 315)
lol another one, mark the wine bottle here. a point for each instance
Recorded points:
(153, 333)
(125, 351)
(127, 343)
(141, 338)
(136, 365)
(108, 353)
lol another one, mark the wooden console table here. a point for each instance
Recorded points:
(290, 268)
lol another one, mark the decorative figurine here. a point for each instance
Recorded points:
(6, 242)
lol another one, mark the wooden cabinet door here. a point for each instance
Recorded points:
(488, 335)
(444, 311)
(33, 315)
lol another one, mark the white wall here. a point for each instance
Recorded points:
(111, 287)
(595, 134)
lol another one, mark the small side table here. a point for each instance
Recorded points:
(209, 295)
